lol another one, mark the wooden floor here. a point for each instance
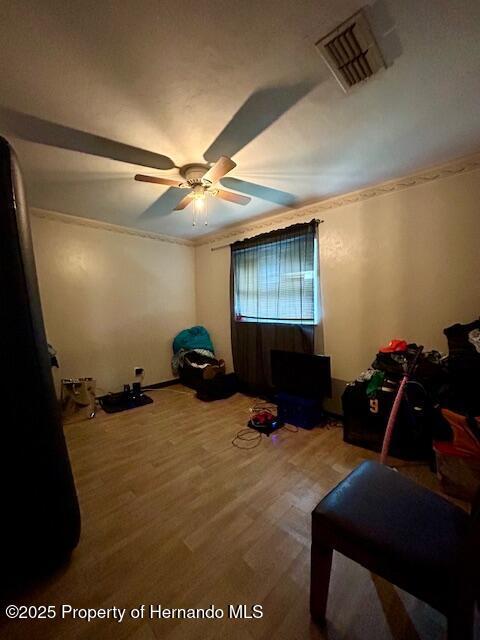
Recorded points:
(173, 514)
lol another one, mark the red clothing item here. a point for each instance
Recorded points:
(394, 345)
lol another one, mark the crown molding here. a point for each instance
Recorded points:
(452, 168)
(106, 226)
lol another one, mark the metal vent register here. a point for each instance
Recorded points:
(351, 51)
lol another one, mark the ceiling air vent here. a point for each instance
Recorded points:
(351, 51)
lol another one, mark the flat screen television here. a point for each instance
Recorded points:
(301, 374)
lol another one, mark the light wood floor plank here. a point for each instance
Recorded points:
(174, 514)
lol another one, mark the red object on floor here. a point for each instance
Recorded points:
(394, 345)
(458, 462)
(263, 417)
(463, 437)
(458, 471)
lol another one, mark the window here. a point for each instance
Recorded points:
(275, 277)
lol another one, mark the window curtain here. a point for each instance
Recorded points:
(272, 297)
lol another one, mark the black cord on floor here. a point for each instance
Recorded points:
(289, 427)
(247, 435)
(252, 437)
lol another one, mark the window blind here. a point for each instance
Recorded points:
(275, 276)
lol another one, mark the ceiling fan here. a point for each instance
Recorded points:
(259, 111)
(201, 181)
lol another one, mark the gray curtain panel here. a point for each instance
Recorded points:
(273, 298)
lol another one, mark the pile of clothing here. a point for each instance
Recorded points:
(442, 401)
(193, 356)
(197, 367)
(368, 400)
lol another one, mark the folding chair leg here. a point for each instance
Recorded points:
(321, 564)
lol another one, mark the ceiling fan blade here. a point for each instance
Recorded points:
(257, 113)
(33, 129)
(184, 202)
(259, 191)
(158, 180)
(163, 205)
(221, 167)
(232, 197)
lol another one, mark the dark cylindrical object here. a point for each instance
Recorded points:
(39, 508)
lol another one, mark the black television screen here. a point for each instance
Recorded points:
(301, 374)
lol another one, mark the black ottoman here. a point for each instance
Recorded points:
(404, 533)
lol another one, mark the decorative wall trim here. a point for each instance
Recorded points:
(106, 226)
(452, 168)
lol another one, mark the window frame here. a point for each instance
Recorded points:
(285, 321)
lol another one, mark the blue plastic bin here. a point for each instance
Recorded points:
(305, 413)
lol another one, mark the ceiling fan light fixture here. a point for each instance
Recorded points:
(199, 205)
(200, 181)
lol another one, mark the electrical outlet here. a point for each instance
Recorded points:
(138, 372)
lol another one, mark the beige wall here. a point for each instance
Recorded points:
(112, 301)
(402, 265)
(213, 297)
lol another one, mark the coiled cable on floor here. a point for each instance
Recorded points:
(249, 437)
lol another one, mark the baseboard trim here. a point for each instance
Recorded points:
(161, 385)
(333, 414)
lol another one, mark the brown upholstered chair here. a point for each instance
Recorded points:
(404, 533)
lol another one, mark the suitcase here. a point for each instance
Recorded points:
(365, 421)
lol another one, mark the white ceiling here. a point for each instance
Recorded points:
(114, 77)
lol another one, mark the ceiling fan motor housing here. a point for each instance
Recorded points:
(193, 174)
